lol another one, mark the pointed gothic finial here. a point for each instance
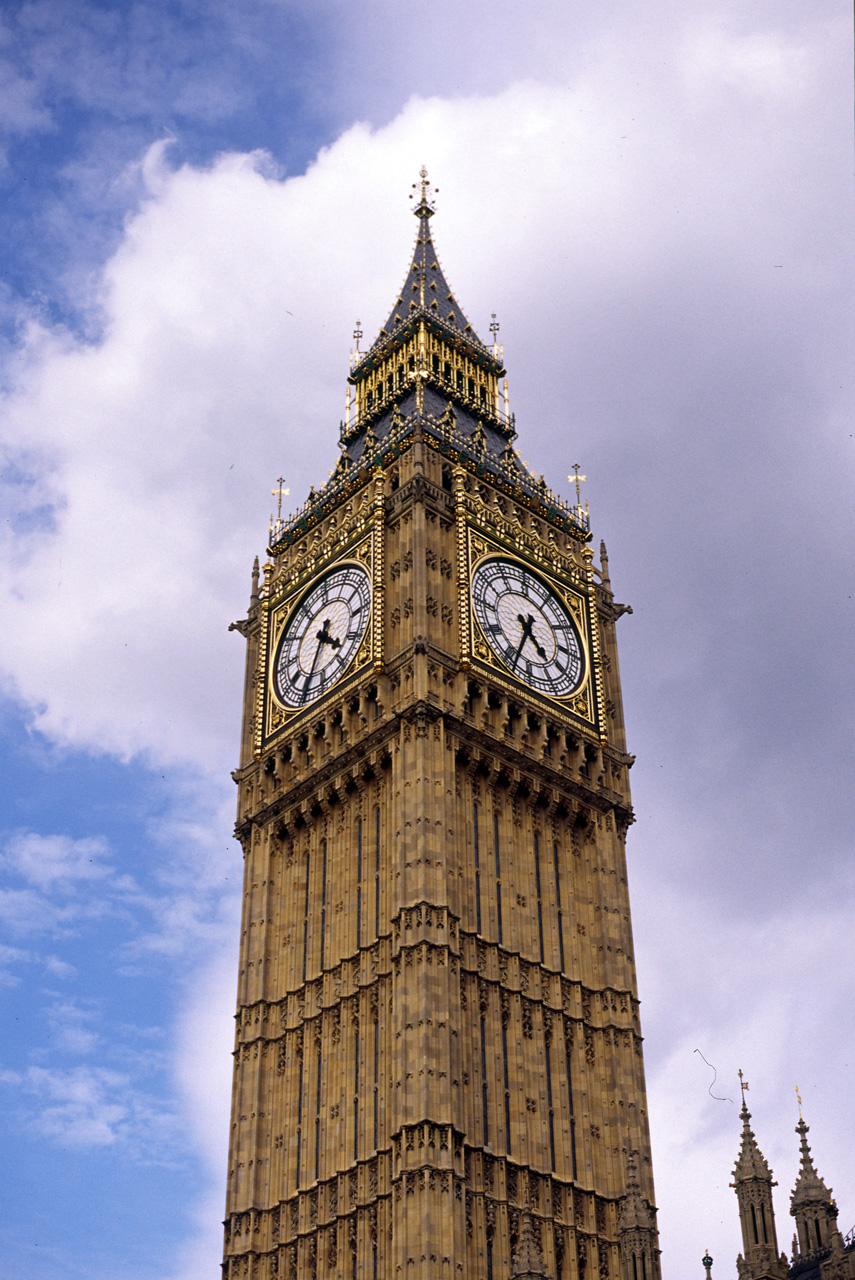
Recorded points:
(425, 206)
(527, 1261)
(578, 480)
(637, 1227)
(253, 597)
(799, 1098)
(808, 1181)
(753, 1183)
(494, 329)
(707, 1264)
(751, 1162)
(280, 492)
(604, 564)
(811, 1204)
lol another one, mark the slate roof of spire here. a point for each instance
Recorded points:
(425, 287)
(426, 293)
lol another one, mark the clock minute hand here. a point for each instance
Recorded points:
(323, 637)
(527, 625)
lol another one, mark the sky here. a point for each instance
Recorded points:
(198, 201)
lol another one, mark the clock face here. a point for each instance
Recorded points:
(528, 627)
(322, 635)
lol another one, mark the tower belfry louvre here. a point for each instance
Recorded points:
(438, 1067)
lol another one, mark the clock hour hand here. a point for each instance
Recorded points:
(323, 637)
(527, 625)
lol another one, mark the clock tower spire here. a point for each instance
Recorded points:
(438, 1063)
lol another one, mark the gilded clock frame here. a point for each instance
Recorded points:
(273, 717)
(586, 704)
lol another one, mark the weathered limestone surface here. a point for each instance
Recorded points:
(437, 1039)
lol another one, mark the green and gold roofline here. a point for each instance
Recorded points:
(425, 351)
(505, 472)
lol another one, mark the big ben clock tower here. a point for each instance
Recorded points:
(438, 1068)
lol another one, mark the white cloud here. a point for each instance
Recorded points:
(768, 64)
(59, 873)
(223, 361)
(58, 968)
(24, 911)
(85, 1106)
(71, 1027)
(44, 861)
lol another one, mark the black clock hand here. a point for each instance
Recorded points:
(527, 625)
(314, 662)
(323, 637)
(526, 634)
(541, 652)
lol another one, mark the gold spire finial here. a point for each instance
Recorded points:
(279, 493)
(425, 204)
(743, 1084)
(494, 329)
(578, 480)
(799, 1097)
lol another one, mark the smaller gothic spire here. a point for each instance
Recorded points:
(253, 598)
(750, 1163)
(604, 565)
(527, 1261)
(753, 1183)
(811, 1204)
(637, 1229)
(808, 1183)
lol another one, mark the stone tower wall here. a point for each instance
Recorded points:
(437, 1014)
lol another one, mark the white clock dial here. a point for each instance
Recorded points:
(528, 627)
(322, 635)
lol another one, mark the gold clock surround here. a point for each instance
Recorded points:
(584, 703)
(274, 716)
